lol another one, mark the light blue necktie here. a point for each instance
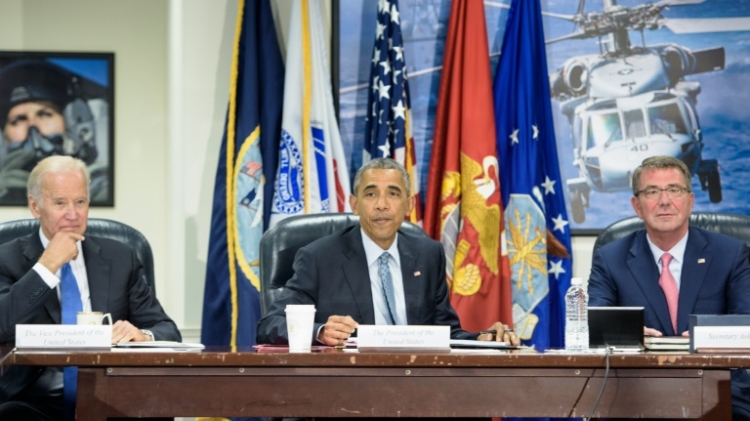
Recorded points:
(71, 305)
(385, 278)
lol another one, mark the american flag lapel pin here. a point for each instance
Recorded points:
(701, 260)
(417, 273)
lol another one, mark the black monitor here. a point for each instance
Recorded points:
(618, 327)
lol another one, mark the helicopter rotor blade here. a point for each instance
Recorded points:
(560, 16)
(573, 35)
(497, 4)
(668, 3)
(581, 3)
(579, 13)
(697, 26)
(500, 5)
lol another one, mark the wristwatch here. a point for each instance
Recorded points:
(149, 333)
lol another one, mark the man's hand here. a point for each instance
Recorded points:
(649, 331)
(123, 331)
(504, 334)
(60, 250)
(337, 329)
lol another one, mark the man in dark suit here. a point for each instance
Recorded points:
(671, 269)
(109, 277)
(340, 274)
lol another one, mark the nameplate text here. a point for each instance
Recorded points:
(63, 336)
(721, 338)
(375, 337)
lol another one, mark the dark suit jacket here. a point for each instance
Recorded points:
(117, 286)
(332, 274)
(715, 278)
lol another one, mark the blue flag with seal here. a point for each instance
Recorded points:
(536, 220)
(247, 165)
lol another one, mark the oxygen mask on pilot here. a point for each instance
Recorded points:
(78, 140)
(44, 111)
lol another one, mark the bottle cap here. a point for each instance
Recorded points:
(576, 281)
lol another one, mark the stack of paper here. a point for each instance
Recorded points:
(667, 343)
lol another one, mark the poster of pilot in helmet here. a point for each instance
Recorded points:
(56, 104)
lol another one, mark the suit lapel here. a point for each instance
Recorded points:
(98, 272)
(357, 274)
(32, 250)
(646, 274)
(694, 269)
(411, 277)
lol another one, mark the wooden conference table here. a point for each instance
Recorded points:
(342, 384)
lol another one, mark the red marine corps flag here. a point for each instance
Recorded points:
(463, 207)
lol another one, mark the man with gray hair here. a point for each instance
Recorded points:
(373, 273)
(49, 275)
(671, 269)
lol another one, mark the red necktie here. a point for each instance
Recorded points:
(669, 285)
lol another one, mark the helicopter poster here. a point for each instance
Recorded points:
(629, 79)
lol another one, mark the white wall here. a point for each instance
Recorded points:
(172, 65)
(136, 32)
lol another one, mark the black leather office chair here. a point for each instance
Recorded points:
(106, 228)
(737, 226)
(279, 245)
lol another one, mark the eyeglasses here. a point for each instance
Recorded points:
(653, 193)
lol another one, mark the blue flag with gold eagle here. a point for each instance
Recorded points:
(244, 180)
(536, 220)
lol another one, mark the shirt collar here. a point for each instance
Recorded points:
(45, 243)
(373, 251)
(677, 252)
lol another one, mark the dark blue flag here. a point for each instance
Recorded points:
(536, 220)
(244, 180)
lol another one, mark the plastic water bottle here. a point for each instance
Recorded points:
(576, 317)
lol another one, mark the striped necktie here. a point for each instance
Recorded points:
(385, 278)
(671, 293)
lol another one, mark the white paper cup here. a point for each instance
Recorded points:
(92, 318)
(300, 320)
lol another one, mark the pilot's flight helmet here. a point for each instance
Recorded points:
(39, 80)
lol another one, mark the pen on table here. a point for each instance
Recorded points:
(493, 332)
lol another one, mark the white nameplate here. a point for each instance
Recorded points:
(721, 338)
(403, 338)
(63, 336)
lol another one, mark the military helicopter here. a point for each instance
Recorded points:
(630, 102)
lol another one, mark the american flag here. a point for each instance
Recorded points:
(251, 168)
(388, 131)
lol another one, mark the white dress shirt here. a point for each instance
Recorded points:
(78, 265)
(372, 253)
(50, 383)
(678, 256)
